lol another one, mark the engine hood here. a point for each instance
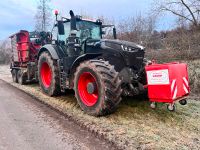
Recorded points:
(119, 53)
(121, 45)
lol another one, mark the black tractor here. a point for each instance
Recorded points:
(99, 70)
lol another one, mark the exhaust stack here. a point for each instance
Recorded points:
(73, 20)
(72, 39)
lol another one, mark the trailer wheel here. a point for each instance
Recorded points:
(48, 75)
(183, 102)
(153, 105)
(97, 87)
(171, 107)
(14, 75)
(21, 77)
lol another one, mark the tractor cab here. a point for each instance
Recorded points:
(80, 34)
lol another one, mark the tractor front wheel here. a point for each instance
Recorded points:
(48, 75)
(97, 87)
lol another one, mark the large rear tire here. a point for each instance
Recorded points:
(97, 87)
(48, 75)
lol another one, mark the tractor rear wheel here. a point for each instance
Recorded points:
(97, 87)
(48, 75)
(14, 75)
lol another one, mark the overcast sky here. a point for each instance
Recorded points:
(19, 14)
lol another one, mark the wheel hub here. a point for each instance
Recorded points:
(88, 90)
(91, 87)
(46, 74)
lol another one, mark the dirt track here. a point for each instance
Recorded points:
(134, 125)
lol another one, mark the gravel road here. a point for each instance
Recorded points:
(28, 124)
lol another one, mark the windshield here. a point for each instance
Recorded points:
(88, 29)
(85, 30)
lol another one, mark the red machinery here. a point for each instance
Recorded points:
(167, 83)
(25, 46)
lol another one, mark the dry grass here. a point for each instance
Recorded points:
(134, 125)
(194, 74)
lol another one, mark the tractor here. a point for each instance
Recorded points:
(25, 47)
(99, 70)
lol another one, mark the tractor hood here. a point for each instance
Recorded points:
(123, 53)
(121, 45)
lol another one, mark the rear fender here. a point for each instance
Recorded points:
(49, 48)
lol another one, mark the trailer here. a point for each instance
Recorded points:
(25, 46)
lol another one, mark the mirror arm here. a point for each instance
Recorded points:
(114, 33)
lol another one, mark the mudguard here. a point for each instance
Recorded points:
(82, 58)
(50, 49)
(76, 63)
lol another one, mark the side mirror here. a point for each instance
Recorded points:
(61, 29)
(114, 33)
(103, 32)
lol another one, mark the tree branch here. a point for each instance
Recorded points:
(190, 11)
(177, 14)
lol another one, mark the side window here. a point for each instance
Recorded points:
(67, 29)
(67, 32)
(54, 33)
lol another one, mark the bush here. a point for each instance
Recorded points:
(5, 52)
(178, 44)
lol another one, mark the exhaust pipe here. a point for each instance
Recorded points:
(73, 20)
(72, 39)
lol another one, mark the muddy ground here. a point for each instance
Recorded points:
(135, 125)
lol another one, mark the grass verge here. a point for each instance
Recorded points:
(135, 125)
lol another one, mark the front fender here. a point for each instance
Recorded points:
(77, 62)
(81, 59)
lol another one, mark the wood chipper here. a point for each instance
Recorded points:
(25, 47)
(167, 83)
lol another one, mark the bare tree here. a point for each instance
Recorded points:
(43, 15)
(189, 10)
(138, 29)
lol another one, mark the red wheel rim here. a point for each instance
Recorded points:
(45, 73)
(89, 99)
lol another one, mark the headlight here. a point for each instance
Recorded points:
(126, 48)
